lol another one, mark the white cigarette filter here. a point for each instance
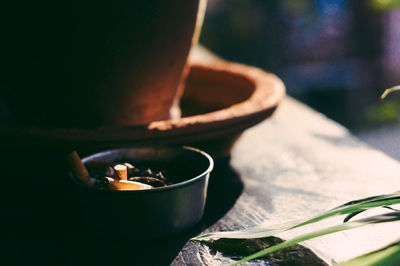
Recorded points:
(116, 184)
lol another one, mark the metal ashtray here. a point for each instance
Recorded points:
(155, 212)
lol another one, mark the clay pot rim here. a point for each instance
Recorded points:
(262, 82)
(269, 90)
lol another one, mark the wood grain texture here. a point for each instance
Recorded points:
(295, 165)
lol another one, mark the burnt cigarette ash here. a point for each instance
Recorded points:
(142, 174)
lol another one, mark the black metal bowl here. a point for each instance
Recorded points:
(154, 212)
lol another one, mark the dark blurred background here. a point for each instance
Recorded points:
(336, 56)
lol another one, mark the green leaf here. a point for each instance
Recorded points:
(384, 218)
(389, 255)
(266, 231)
(352, 215)
(384, 5)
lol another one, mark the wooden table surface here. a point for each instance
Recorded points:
(296, 165)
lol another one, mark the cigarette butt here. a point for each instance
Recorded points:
(77, 167)
(130, 167)
(115, 184)
(121, 172)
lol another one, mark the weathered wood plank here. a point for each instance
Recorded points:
(295, 165)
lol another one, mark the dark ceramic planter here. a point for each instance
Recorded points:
(155, 212)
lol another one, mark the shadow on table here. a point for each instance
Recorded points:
(236, 249)
(49, 230)
(224, 189)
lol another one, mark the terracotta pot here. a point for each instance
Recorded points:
(90, 63)
(219, 103)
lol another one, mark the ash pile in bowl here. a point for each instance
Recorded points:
(141, 174)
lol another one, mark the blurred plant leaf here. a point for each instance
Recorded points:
(352, 207)
(390, 90)
(384, 112)
(389, 255)
(382, 5)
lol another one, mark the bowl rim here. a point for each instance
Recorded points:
(152, 190)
